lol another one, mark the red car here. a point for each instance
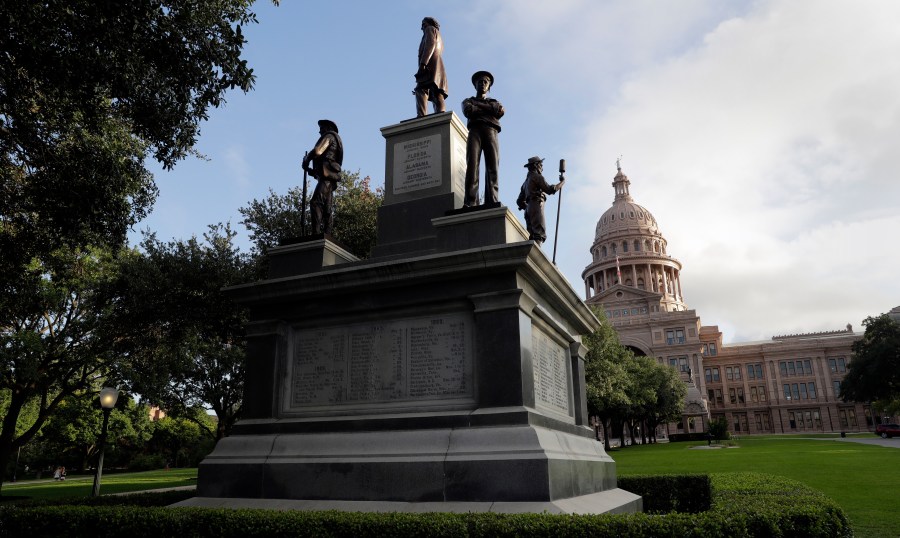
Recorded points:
(886, 431)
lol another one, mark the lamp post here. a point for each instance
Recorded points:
(108, 397)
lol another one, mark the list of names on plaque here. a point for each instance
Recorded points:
(417, 164)
(551, 381)
(417, 359)
(433, 368)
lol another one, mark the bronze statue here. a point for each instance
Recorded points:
(431, 79)
(484, 116)
(326, 158)
(532, 195)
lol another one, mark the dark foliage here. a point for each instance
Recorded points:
(744, 505)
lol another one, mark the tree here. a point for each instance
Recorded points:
(56, 343)
(641, 390)
(718, 429)
(670, 392)
(356, 214)
(180, 441)
(606, 375)
(874, 372)
(87, 91)
(184, 348)
(70, 436)
(279, 217)
(624, 389)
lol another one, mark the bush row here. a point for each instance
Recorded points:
(743, 505)
(671, 493)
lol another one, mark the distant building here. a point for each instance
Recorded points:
(156, 414)
(788, 384)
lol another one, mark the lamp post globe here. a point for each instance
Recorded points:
(108, 398)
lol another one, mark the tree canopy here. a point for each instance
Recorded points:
(622, 388)
(874, 372)
(278, 216)
(55, 342)
(181, 338)
(87, 91)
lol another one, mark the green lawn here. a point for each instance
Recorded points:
(863, 479)
(80, 486)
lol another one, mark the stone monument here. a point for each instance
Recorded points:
(446, 373)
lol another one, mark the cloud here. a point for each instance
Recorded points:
(767, 155)
(762, 139)
(238, 167)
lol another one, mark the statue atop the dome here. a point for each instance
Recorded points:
(532, 196)
(484, 116)
(431, 78)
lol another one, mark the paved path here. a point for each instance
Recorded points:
(877, 441)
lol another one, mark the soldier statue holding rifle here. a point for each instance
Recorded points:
(326, 158)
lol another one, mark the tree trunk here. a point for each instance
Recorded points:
(8, 434)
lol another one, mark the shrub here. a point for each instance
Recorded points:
(718, 428)
(671, 493)
(147, 462)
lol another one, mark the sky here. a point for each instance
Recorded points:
(763, 135)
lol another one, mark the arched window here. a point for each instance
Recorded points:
(603, 251)
(641, 283)
(637, 245)
(612, 217)
(613, 249)
(656, 246)
(624, 246)
(647, 246)
(628, 282)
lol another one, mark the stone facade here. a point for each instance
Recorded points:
(788, 384)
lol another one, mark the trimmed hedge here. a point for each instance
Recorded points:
(671, 493)
(743, 505)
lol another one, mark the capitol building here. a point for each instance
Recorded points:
(789, 384)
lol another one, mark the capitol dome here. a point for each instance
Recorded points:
(629, 250)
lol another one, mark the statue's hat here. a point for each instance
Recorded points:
(479, 74)
(533, 160)
(328, 125)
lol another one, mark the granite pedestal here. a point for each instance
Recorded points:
(446, 373)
